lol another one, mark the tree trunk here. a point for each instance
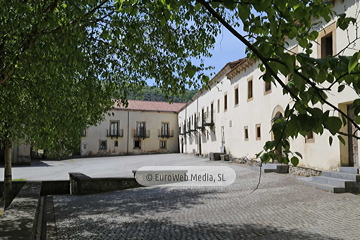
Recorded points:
(7, 195)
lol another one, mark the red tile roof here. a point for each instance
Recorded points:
(150, 106)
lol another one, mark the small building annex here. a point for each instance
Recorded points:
(142, 127)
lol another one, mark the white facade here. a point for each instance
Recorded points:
(133, 131)
(255, 112)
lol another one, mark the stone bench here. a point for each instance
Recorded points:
(19, 221)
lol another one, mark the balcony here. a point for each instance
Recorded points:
(207, 120)
(167, 134)
(194, 128)
(141, 134)
(115, 134)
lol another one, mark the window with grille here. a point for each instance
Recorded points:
(114, 128)
(164, 129)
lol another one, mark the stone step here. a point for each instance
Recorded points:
(270, 165)
(345, 183)
(353, 170)
(282, 168)
(342, 175)
(326, 187)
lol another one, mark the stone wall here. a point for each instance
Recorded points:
(305, 172)
(81, 184)
(56, 187)
(299, 171)
(19, 221)
(17, 185)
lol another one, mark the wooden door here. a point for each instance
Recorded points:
(353, 142)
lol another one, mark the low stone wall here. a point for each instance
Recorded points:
(19, 221)
(81, 184)
(298, 171)
(245, 160)
(17, 185)
(56, 187)
(305, 172)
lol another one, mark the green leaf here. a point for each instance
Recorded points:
(341, 88)
(294, 161)
(265, 158)
(297, 153)
(357, 119)
(353, 61)
(330, 140)
(303, 42)
(333, 124)
(341, 139)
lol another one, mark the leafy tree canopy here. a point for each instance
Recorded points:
(60, 61)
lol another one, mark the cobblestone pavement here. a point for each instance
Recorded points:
(282, 208)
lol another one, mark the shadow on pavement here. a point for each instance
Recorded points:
(130, 215)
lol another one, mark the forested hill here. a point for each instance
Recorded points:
(154, 94)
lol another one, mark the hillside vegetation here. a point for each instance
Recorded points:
(149, 93)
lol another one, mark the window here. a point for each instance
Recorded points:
(246, 133)
(140, 129)
(195, 121)
(236, 94)
(114, 126)
(326, 38)
(137, 144)
(310, 137)
(116, 143)
(258, 131)
(225, 102)
(83, 133)
(164, 129)
(203, 116)
(327, 45)
(218, 107)
(211, 111)
(250, 89)
(102, 145)
(267, 87)
(163, 144)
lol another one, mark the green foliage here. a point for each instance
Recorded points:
(19, 179)
(62, 61)
(149, 93)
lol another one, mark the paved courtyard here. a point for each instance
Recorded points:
(282, 208)
(116, 166)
